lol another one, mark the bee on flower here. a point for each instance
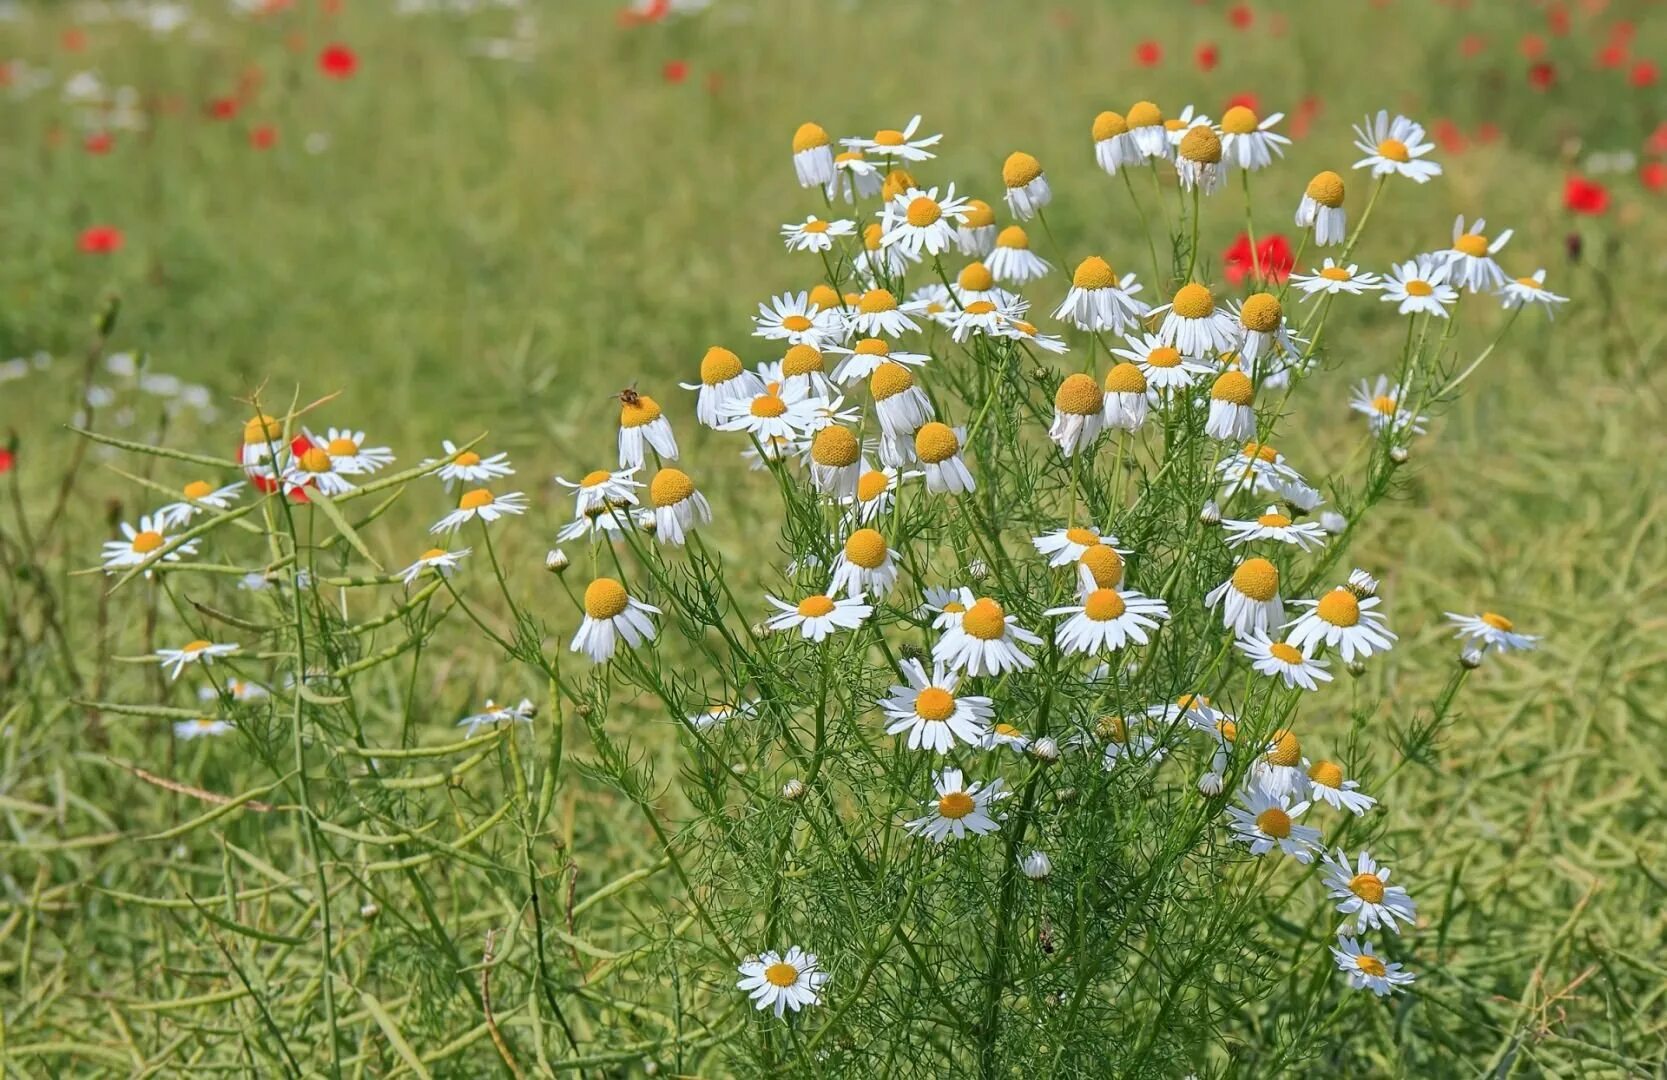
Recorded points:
(1420, 286)
(142, 545)
(1283, 661)
(1271, 524)
(1332, 278)
(611, 613)
(1079, 412)
(1012, 262)
(1380, 403)
(437, 559)
(959, 808)
(492, 714)
(782, 982)
(723, 378)
(678, 506)
(468, 467)
(197, 496)
(985, 641)
(1491, 632)
(1395, 148)
(934, 717)
(1368, 971)
(813, 158)
(975, 236)
(864, 566)
(1249, 142)
(1530, 292)
(1163, 366)
(815, 234)
(898, 145)
(938, 448)
(173, 661)
(1343, 621)
(1249, 599)
(1100, 300)
(641, 422)
(1266, 822)
(480, 504)
(1321, 209)
(1026, 183)
(1107, 620)
(1363, 892)
(819, 615)
(1327, 784)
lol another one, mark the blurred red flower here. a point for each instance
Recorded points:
(1241, 16)
(100, 240)
(1206, 57)
(1148, 54)
(1622, 30)
(1449, 136)
(1643, 74)
(1657, 142)
(7, 460)
(1273, 255)
(1532, 46)
(1472, 45)
(338, 61)
(1653, 175)
(1557, 19)
(98, 142)
(1612, 55)
(1487, 133)
(222, 108)
(1583, 196)
(263, 137)
(1541, 76)
(1245, 98)
(675, 71)
(73, 40)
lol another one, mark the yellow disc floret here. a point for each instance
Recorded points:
(1193, 301)
(1125, 378)
(475, 499)
(1239, 120)
(781, 975)
(1326, 189)
(835, 447)
(1369, 887)
(1013, 237)
(1257, 579)
(986, 620)
(824, 296)
(1020, 169)
(1144, 114)
(923, 212)
(889, 379)
(146, 542)
(875, 301)
(1079, 395)
(1094, 273)
(315, 459)
(1286, 751)
(196, 489)
(814, 607)
(1233, 387)
(809, 137)
(1472, 244)
(670, 487)
(637, 410)
(1104, 605)
(936, 443)
(977, 214)
(719, 365)
(1274, 822)
(1339, 607)
(866, 548)
(262, 429)
(801, 360)
(1393, 150)
(1104, 565)
(1201, 145)
(1371, 965)
(605, 598)
(1326, 774)
(1164, 356)
(870, 485)
(975, 277)
(341, 447)
(1498, 622)
(935, 704)
(1261, 313)
(1109, 125)
(768, 407)
(955, 805)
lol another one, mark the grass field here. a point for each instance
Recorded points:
(456, 244)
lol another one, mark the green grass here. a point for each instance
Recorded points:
(497, 248)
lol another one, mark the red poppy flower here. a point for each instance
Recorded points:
(1612, 55)
(1557, 19)
(264, 137)
(1148, 54)
(1273, 256)
(1583, 196)
(1653, 175)
(1657, 142)
(1245, 99)
(1448, 135)
(1644, 73)
(1206, 57)
(100, 240)
(675, 71)
(1532, 46)
(7, 460)
(99, 142)
(338, 61)
(1622, 30)
(1487, 133)
(1541, 76)
(1241, 16)
(1473, 45)
(73, 40)
(222, 108)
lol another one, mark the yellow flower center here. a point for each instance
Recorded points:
(1336, 273)
(1383, 403)
(1239, 120)
(888, 379)
(1112, 729)
(1109, 125)
(1529, 283)
(1371, 965)
(871, 484)
(848, 155)
(1257, 579)
(196, 489)
(1369, 887)
(986, 620)
(782, 975)
(605, 598)
(814, 607)
(875, 301)
(1022, 327)
(1326, 189)
(1474, 244)
(1261, 313)
(897, 182)
(1227, 730)
(1164, 356)
(866, 548)
(670, 487)
(432, 553)
(923, 212)
(1104, 605)
(1286, 654)
(1201, 146)
(1193, 302)
(824, 296)
(768, 406)
(1007, 731)
(1339, 607)
(262, 429)
(1013, 237)
(1104, 565)
(976, 277)
(1274, 822)
(955, 607)
(1020, 169)
(466, 457)
(1393, 150)
(1498, 622)
(979, 307)
(1125, 378)
(1094, 273)
(1416, 287)
(475, 499)
(871, 235)
(935, 704)
(196, 647)
(1079, 394)
(596, 479)
(978, 215)
(146, 542)
(796, 323)
(1259, 450)
(1144, 114)
(936, 443)
(1286, 752)
(315, 459)
(889, 137)
(801, 360)
(1273, 521)
(342, 447)
(836, 448)
(719, 365)
(814, 225)
(1083, 537)
(809, 137)
(1326, 774)
(955, 805)
(645, 410)
(1233, 387)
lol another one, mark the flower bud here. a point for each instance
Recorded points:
(1066, 796)
(1362, 584)
(1357, 668)
(1036, 865)
(1210, 784)
(1045, 750)
(739, 768)
(978, 570)
(1210, 514)
(1471, 659)
(1333, 522)
(369, 910)
(1398, 454)
(556, 560)
(793, 789)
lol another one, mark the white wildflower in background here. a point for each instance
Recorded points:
(782, 982)
(960, 808)
(1368, 971)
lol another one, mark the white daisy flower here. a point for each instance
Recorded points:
(1265, 822)
(678, 506)
(815, 234)
(466, 466)
(900, 145)
(1274, 525)
(1380, 403)
(1363, 892)
(864, 566)
(1394, 147)
(944, 606)
(813, 159)
(879, 261)
(1100, 300)
(1522, 291)
(921, 222)
(1026, 183)
(202, 726)
(819, 615)
(1065, 546)
(722, 378)
(482, 504)
(1147, 131)
(985, 642)
(236, 689)
(611, 613)
(198, 495)
(854, 177)
(601, 489)
(1036, 866)
(492, 714)
(775, 413)
(1176, 127)
(1020, 330)
(1195, 324)
(1331, 279)
(991, 314)
(836, 462)
(437, 559)
(1340, 620)
(778, 982)
(938, 448)
(142, 544)
(795, 318)
(1326, 784)
(314, 467)
(1011, 261)
(959, 808)
(1249, 599)
(1163, 366)
(1278, 769)
(1321, 209)
(1419, 285)
(877, 313)
(975, 237)
(173, 661)
(902, 406)
(1125, 403)
(1368, 971)
(1107, 620)
(1231, 416)
(348, 451)
(641, 421)
(1257, 467)
(1123, 744)
(876, 491)
(1100, 567)
(1199, 162)
(866, 356)
(719, 713)
(929, 710)
(1284, 661)
(1470, 261)
(1261, 320)
(1005, 736)
(1079, 413)
(1491, 631)
(1249, 142)
(1114, 146)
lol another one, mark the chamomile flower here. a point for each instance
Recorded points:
(1107, 620)
(314, 466)
(976, 282)
(975, 236)
(1195, 324)
(1231, 416)
(263, 438)
(1249, 142)
(1363, 892)
(678, 506)
(466, 466)
(795, 318)
(1249, 599)
(876, 491)
(879, 260)
(1162, 365)
(1327, 784)
(1005, 736)
(782, 982)
(610, 614)
(1470, 263)
(1491, 631)
(437, 559)
(1012, 262)
(1380, 403)
(1278, 771)
(864, 566)
(1530, 291)
(1026, 183)
(719, 713)
(813, 158)
(1065, 546)
(945, 606)
(722, 378)
(142, 544)
(854, 177)
(921, 222)
(609, 520)
(933, 300)
(1100, 567)
(1271, 524)
(815, 234)
(1079, 413)
(877, 313)
(492, 714)
(865, 357)
(1341, 620)
(173, 661)
(1198, 160)
(1257, 467)
(236, 689)
(1321, 209)
(899, 145)
(959, 808)
(198, 495)
(1019, 330)
(1147, 131)
(1332, 278)
(1284, 661)
(1394, 147)
(1262, 329)
(1368, 971)
(932, 714)
(986, 641)
(1100, 300)
(479, 503)
(640, 421)
(1199, 712)
(1125, 403)
(201, 727)
(601, 489)
(1265, 821)
(1114, 146)
(901, 405)
(1122, 744)
(991, 314)
(835, 462)
(1175, 128)
(819, 615)
(348, 451)
(803, 371)
(938, 448)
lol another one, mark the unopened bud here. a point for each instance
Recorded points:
(1210, 514)
(1362, 584)
(793, 789)
(1471, 659)
(556, 561)
(739, 768)
(369, 910)
(1041, 375)
(1067, 796)
(1036, 866)
(1333, 522)
(759, 629)
(1398, 454)
(1045, 750)
(1209, 785)
(978, 570)
(1357, 668)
